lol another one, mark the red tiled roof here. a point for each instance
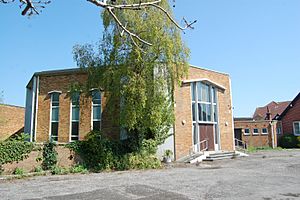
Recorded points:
(275, 108)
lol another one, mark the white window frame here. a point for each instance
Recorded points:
(51, 121)
(92, 108)
(71, 119)
(254, 133)
(264, 133)
(294, 129)
(245, 131)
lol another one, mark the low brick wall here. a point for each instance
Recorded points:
(65, 158)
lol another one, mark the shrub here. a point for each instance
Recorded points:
(56, 170)
(15, 149)
(49, 156)
(19, 171)
(100, 153)
(288, 141)
(78, 169)
(38, 169)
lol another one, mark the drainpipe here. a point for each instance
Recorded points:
(272, 134)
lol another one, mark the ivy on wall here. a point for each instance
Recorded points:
(15, 149)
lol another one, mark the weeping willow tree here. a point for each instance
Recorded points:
(138, 78)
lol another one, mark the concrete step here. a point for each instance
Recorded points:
(189, 158)
(220, 156)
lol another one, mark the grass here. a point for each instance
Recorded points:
(263, 148)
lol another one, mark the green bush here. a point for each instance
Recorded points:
(101, 153)
(15, 149)
(56, 170)
(38, 169)
(289, 141)
(78, 169)
(49, 156)
(19, 171)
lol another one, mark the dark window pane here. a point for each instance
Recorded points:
(75, 128)
(54, 129)
(55, 113)
(204, 112)
(200, 112)
(96, 125)
(96, 95)
(55, 97)
(75, 98)
(193, 111)
(75, 113)
(74, 138)
(215, 113)
(208, 112)
(97, 112)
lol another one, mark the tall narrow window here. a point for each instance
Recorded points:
(96, 96)
(54, 116)
(75, 116)
(204, 109)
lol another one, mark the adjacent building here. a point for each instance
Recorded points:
(11, 120)
(203, 111)
(290, 118)
(263, 128)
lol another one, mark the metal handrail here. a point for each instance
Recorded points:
(198, 147)
(237, 143)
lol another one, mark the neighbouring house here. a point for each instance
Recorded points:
(263, 128)
(203, 111)
(290, 118)
(11, 120)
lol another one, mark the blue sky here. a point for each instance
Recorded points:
(257, 42)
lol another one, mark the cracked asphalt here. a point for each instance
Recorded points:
(265, 175)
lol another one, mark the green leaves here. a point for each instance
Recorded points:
(16, 149)
(138, 79)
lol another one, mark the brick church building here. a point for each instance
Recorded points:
(203, 111)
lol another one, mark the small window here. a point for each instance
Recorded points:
(264, 131)
(247, 131)
(255, 131)
(296, 126)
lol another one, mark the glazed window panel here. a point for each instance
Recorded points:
(255, 131)
(75, 116)
(247, 131)
(96, 102)
(264, 131)
(54, 116)
(296, 126)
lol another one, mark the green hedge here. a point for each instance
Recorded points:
(289, 141)
(16, 149)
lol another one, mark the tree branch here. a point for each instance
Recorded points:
(34, 7)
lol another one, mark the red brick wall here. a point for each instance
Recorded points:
(259, 140)
(183, 131)
(292, 115)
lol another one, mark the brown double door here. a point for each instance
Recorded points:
(206, 132)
